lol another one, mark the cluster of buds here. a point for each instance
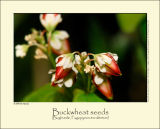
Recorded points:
(69, 65)
(67, 68)
(106, 65)
(57, 40)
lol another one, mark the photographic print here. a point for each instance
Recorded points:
(79, 64)
(80, 57)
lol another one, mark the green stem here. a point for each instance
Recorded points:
(89, 83)
(51, 58)
(86, 82)
(83, 78)
(50, 54)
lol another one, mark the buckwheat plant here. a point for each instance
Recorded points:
(94, 69)
(48, 41)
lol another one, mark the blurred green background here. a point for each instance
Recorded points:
(124, 34)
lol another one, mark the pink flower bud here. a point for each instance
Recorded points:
(67, 81)
(103, 85)
(60, 71)
(106, 89)
(59, 42)
(50, 21)
(106, 63)
(63, 50)
(65, 73)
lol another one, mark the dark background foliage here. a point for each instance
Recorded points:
(124, 34)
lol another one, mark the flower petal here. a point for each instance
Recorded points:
(53, 78)
(98, 79)
(101, 68)
(60, 84)
(61, 34)
(100, 60)
(61, 73)
(77, 59)
(56, 44)
(68, 82)
(61, 62)
(59, 81)
(59, 58)
(68, 63)
(84, 54)
(65, 47)
(106, 59)
(74, 69)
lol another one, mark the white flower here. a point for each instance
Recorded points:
(39, 54)
(103, 59)
(115, 56)
(57, 39)
(88, 68)
(83, 54)
(85, 57)
(102, 69)
(21, 50)
(77, 59)
(28, 37)
(67, 82)
(98, 79)
(66, 62)
(55, 83)
(61, 34)
(56, 44)
(31, 38)
(107, 63)
(50, 21)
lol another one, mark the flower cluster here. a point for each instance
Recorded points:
(47, 40)
(106, 65)
(96, 67)
(68, 66)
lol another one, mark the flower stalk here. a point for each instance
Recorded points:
(89, 84)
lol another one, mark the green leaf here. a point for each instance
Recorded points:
(46, 94)
(81, 96)
(129, 22)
